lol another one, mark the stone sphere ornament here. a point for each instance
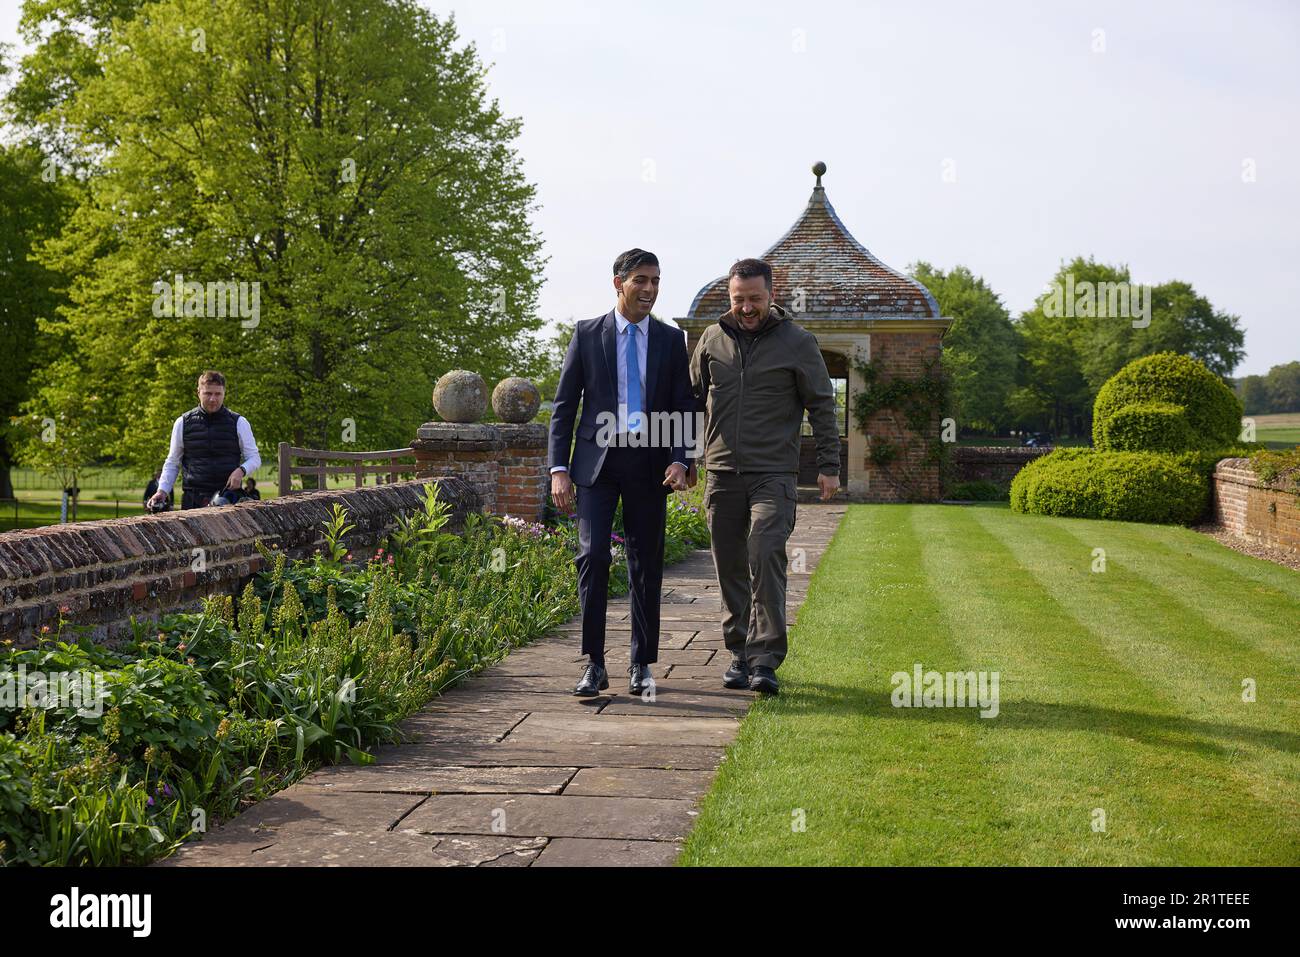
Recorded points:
(516, 399)
(460, 396)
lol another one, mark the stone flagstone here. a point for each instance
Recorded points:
(510, 770)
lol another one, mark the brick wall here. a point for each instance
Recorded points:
(471, 451)
(1245, 506)
(504, 462)
(523, 478)
(909, 355)
(107, 571)
(991, 463)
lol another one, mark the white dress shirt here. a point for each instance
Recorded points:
(620, 351)
(247, 448)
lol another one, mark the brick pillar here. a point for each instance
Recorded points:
(468, 450)
(902, 355)
(523, 482)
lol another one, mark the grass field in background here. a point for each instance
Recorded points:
(1119, 690)
(1279, 430)
(105, 493)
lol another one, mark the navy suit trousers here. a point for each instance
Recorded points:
(632, 475)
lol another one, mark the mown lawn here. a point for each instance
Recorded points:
(1120, 690)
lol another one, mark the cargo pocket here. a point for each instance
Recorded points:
(792, 493)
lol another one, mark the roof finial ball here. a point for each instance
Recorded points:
(819, 169)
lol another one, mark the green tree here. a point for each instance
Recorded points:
(64, 38)
(1052, 393)
(979, 349)
(1181, 321)
(63, 431)
(34, 204)
(551, 359)
(1070, 345)
(1254, 395)
(1283, 383)
(340, 160)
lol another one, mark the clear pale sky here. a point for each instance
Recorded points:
(688, 128)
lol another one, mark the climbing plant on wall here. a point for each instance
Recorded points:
(913, 407)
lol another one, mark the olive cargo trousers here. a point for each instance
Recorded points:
(751, 516)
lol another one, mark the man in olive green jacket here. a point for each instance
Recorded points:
(757, 371)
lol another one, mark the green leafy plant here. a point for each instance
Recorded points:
(1280, 468)
(335, 528)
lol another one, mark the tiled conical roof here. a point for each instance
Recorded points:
(839, 277)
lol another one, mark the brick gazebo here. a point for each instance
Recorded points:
(857, 307)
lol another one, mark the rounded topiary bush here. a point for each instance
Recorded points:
(1124, 486)
(1212, 412)
(1024, 481)
(1148, 427)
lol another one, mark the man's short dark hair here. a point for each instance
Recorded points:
(212, 376)
(749, 268)
(633, 259)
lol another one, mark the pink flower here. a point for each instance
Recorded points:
(65, 610)
(45, 629)
(390, 559)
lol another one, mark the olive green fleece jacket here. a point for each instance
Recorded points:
(755, 388)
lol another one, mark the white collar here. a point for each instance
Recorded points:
(622, 322)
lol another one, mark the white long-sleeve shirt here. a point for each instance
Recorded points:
(247, 448)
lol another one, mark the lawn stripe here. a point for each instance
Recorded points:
(1279, 583)
(1263, 628)
(1214, 729)
(1054, 673)
(831, 744)
(1106, 702)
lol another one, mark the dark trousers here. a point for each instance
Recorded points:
(632, 475)
(751, 516)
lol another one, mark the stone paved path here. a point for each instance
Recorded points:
(509, 769)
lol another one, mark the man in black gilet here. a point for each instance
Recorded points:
(213, 446)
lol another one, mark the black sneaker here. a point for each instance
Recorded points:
(764, 680)
(737, 674)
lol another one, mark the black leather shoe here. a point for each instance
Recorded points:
(764, 680)
(594, 680)
(639, 679)
(737, 674)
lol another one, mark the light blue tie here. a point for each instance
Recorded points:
(634, 409)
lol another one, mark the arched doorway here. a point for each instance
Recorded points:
(838, 367)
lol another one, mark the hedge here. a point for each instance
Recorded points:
(1213, 413)
(1148, 427)
(1122, 486)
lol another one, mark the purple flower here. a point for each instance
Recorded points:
(151, 802)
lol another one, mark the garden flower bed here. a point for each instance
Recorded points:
(198, 716)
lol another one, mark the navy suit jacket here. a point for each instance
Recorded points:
(590, 374)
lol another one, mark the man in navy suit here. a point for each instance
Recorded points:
(631, 373)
